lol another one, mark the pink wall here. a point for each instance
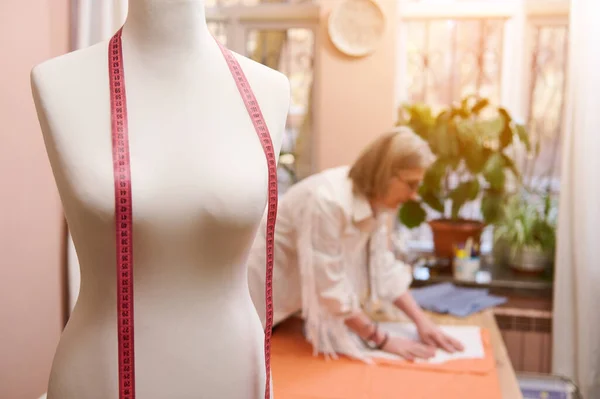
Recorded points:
(355, 97)
(31, 224)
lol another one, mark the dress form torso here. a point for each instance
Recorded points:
(199, 182)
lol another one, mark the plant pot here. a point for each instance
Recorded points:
(449, 234)
(529, 260)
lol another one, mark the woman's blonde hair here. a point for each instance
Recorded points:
(382, 159)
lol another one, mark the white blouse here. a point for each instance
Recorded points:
(320, 264)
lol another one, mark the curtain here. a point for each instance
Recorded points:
(576, 325)
(94, 21)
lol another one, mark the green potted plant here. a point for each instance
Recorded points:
(525, 237)
(471, 141)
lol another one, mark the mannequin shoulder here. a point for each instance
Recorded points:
(70, 89)
(273, 93)
(69, 71)
(272, 88)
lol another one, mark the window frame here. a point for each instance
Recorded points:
(519, 16)
(239, 19)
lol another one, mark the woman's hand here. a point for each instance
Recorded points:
(432, 335)
(408, 349)
(429, 333)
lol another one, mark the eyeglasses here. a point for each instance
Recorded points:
(412, 184)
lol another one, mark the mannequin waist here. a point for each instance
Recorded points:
(183, 347)
(191, 283)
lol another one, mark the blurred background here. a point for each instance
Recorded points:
(514, 54)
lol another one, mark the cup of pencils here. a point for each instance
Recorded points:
(466, 261)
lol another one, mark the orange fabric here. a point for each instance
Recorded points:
(297, 374)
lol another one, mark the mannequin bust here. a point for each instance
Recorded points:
(199, 179)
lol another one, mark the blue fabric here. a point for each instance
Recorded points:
(539, 394)
(457, 301)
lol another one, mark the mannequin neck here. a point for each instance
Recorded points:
(178, 25)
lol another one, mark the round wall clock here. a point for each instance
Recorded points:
(356, 26)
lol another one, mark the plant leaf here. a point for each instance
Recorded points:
(523, 136)
(453, 142)
(480, 105)
(492, 207)
(439, 140)
(506, 135)
(419, 117)
(411, 214)
(524, 224)
(474, 188)
(471, 148)
(493, 171)
(476, 157)
(465, 107)
(465, 191)
(433, 201)
(505, 115)
(490, 128)
(433, 176)
(443, 139)
(509, 163)
(454, 162)
(465, 130)
(462, 111)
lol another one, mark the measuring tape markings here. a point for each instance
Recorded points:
(265, 139)
(124, 210)
(123, 220)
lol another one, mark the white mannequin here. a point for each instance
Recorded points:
(199, 181)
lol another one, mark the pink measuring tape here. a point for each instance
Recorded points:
(124, 210)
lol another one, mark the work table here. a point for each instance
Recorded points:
(507, 377)
(301, 375)
(506, 374)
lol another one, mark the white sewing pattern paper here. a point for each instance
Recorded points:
(469, 336)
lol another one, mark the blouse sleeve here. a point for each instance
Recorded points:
(328, 297)
(392, 277)
(333, 288)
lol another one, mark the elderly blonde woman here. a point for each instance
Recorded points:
(332, 256)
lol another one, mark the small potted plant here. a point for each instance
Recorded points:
(471, 141)
(525, 237)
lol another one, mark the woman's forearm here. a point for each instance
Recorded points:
(363, 326)
(410, 307)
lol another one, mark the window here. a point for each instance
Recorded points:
(447, 59)
(281, 35)
(513, 52)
